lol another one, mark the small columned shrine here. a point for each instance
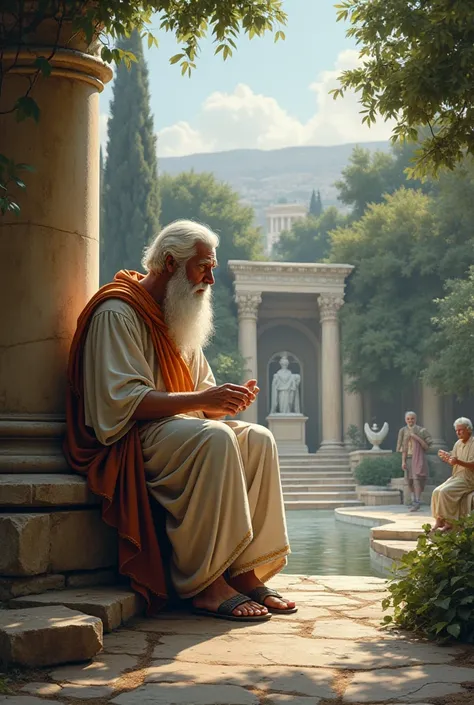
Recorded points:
(289, 338)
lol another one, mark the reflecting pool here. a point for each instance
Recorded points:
(321, 545)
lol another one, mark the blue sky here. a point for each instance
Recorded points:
(267, 95)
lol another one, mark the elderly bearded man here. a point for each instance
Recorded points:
(144, 377)
(449, 500)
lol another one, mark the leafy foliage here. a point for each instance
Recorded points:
(416, 69)
(452, 369)
(106, 21)
(379, 471)
(432, 589)
(308, 240)
(370, 176)
(130, 196)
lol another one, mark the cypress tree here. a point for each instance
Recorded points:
(131, 202)
(315, 205)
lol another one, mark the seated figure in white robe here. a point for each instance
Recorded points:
(217, 480)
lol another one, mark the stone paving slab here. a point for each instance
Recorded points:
(332, 651)
(310, 682)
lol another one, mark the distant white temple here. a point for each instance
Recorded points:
(279, 218)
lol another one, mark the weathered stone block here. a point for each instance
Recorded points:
(112, 605)
(18, 587)
(48, 489)
(25, 542)
(80, 540)
(91, 577)
(48, 636)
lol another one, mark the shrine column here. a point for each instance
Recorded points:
(353, 411)
(331, 408)
(432, 418)
(49, 253)
(248, 303)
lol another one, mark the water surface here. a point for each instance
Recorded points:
(320, 545)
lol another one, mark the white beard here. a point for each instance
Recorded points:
(188, 315)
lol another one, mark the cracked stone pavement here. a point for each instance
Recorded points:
(333, 651)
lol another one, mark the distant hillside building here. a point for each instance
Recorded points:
(281, 217)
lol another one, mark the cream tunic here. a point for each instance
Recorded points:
(450, 500)
(218, 481)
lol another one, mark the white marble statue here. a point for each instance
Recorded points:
(285, 390)
(375, 435)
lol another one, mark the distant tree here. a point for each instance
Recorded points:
(308, 240)
(131, 200)
(315, 205)
(415, 69)
(451, 369)
(370, 176)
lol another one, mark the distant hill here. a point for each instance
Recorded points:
(263, 177)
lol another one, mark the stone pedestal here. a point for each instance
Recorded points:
(289, 432)
(49, 268)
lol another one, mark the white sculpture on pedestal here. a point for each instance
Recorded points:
(376, 436)
(285, 397)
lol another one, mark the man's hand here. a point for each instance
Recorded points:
(404, 467)
(226, 399)
(251, 385)
(446, 457)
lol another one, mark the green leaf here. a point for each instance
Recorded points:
(43, 65)
(454, 630)
(25, 108)
(177, 57)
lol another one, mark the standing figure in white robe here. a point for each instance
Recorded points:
(217, 480)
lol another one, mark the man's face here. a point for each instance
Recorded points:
(411, 420)
(199, 268)
(463, 433)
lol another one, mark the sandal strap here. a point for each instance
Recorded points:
(228, 606)
(260, 594)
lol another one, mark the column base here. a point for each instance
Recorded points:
(332, 447)
(438, 444)
(32, 444)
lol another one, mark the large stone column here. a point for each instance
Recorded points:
(331, 408)
(353, 411)
(432, 418)
(248, 303)
(49, 252)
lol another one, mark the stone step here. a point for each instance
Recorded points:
(392, 549)
(44, 490)
(315, 466)
(112, 605)
(396, 532)
(323, 476)
(48, 636)
(310, 496)
(317, 482)
(314, 487)
(321, 504)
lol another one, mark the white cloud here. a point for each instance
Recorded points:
(244, 119)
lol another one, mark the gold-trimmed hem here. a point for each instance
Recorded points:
(267, 558)
(236, 552)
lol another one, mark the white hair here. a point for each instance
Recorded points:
(410, 413)
(178, 239)
(463, 421)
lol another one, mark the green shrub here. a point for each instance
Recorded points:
(432, 588)
(379, 471)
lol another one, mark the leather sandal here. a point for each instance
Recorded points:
(226, 608)
(260, 594)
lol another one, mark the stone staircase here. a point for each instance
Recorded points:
(317, 481)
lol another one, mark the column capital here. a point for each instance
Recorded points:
(248, 303)
(329, 305)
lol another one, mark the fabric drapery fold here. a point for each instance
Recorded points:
(116, 472)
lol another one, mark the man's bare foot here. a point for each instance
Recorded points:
(246, 582)
(218, 592)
